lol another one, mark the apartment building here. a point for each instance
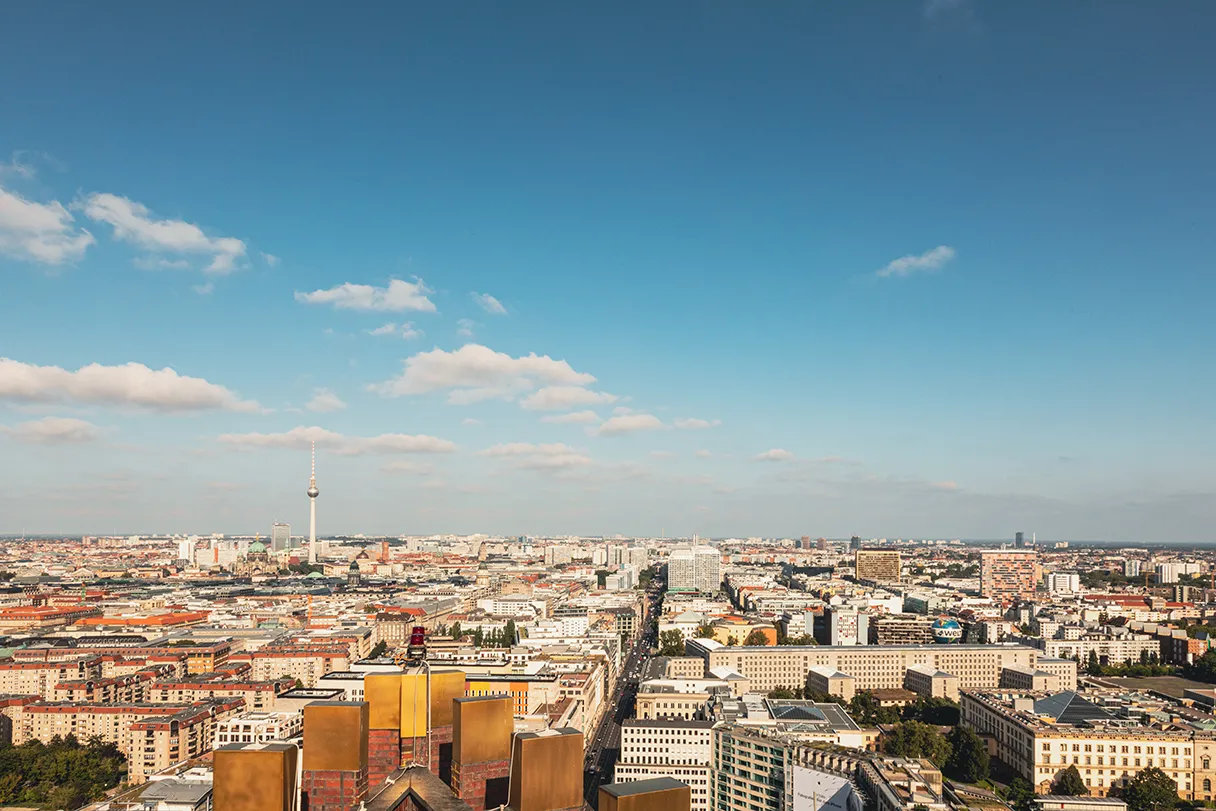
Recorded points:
(877, 565)
(256, 695)
(119, 689)
(976, 666)
(151, 736)
(40, 678)
(667, 748)
(1040, 735)
(158, 743)
(1009, 573)
(901, 629)
(259, 727)
(304, 663)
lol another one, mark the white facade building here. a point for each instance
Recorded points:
(694, 569)
(668, 748)
(1064, 583)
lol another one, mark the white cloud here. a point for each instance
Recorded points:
(628, 424)
(704, 454)
(692, 423)
(270, 259)
(159, 263)
(560, 398)
(774, 455)
(465, 327)
(399, 296)
(552, 456)
(301, 436)
(54, 431)
(40, 232)
(474, 373)
(407, 330)
(928, 261)
(133, 222)
(131, 384)
(324, 401)
(407, 466)
(488, 303)
(203, 289)
(573, 418)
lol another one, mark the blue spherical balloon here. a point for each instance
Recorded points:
(947, 631)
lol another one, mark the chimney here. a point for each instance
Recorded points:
(656, 794)
(382, 691)
(547, 771)
(481, 750)
(254, 777)
(446, 687)
(335, 755)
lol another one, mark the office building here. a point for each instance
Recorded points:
(1019, 540)
(694, 569)
(846, 626)
(1131, 568)
(667, 748)
(280, 537)
(877, 565)
(874, 668)
(1041, 735)
(1009, 573)
(854, 543)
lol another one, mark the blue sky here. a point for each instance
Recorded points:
(916, 269)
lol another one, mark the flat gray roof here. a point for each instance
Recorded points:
(642, 786)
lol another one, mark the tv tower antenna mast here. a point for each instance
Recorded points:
(312, 508)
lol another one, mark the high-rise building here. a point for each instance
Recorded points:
(854, 543)
(185, 550)
(847, 626)
(877, 565)
(1009, 573)
(1064, 583)
(1168, 572)
(822, 544)
(695, 568)
(1019, 540)
(1131, 567)
(280, 537)
(805, 543)
(667, 747)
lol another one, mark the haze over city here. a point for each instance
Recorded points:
(650, 269)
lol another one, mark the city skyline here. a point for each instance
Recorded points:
(814, 269)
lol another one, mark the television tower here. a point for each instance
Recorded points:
(312, 508)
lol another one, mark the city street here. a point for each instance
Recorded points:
(603, 748)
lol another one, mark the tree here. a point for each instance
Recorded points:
(1151, 790)
(671, 643)
(781, 692)
(1092, 667)
(867, 712)
(756, 637)
(913, 739)
(378, 651)
(1070, 784)
(601, 578)
(941, 712)
(509, 634)
(1020, 795)
(705, 631)
(731, 642)
(968, 756)
(455, 631)
(1204, 668)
